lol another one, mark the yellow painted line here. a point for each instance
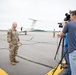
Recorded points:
(58, 70)
(2, 72)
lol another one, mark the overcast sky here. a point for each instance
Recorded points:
(48, 12)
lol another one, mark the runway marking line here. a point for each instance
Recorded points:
(2, 72)
(57, 71)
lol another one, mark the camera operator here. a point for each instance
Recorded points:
(65, 51)
(70, 28)
(65, 48)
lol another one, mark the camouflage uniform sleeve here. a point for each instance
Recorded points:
(9, 36)
(18, 37)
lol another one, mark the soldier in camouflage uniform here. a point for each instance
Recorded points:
(13, 39)
(54, 33)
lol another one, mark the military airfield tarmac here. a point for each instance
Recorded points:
(35, 54)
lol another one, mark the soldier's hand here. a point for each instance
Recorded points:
(10, 44)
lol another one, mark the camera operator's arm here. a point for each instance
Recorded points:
(63, 24)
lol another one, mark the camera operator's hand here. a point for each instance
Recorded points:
(61, 34)
(58, 35)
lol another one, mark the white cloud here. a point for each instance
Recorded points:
(48, 11)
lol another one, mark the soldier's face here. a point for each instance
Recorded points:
(14, 25)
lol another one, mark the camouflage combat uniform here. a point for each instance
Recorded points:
(12, 37)
(53, 33)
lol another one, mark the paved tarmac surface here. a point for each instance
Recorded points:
(35, 55)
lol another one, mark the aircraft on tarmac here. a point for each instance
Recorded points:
(24, 30)
(33, 23)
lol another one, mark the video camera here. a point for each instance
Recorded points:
(67, 18)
